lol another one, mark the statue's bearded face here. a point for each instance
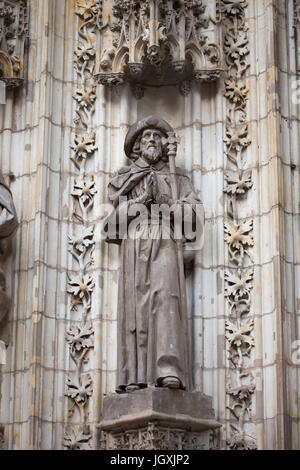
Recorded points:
(151, 145)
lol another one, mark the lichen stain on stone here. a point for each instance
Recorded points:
(36, 317)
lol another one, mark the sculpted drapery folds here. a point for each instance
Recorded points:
(152, 319)
(8, 226)
(8, 217)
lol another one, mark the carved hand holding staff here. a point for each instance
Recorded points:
(172, 141)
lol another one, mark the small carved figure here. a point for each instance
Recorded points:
(153, 345)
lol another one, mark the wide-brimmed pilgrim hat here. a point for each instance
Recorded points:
(150, 122)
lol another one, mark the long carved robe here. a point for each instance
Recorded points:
(8, 226)
(152, 333)
(8, 217)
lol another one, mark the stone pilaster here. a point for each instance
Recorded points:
(274, 207)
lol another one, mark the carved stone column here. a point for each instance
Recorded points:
(157, 419)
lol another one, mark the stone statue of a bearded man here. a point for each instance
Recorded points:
(152, 322)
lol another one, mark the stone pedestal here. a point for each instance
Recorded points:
(2, 441)
(157, 419)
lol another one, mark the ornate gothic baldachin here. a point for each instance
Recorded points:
(297, 31)
(13, 33)
(158, 42)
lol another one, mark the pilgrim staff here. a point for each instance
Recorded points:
(171, 142)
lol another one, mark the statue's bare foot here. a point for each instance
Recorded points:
(132, 388)
(171, 382)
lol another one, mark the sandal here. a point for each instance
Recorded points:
(132, 388)
(171, 382)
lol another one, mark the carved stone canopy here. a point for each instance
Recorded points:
(13, 31)
(297, 31)
(158, 42)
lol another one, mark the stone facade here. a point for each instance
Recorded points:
(62, 132)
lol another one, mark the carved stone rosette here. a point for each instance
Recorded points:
(80, 335)
(157, 42)
(13, 32)
(238, 233)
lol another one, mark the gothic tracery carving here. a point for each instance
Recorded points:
(152, 43)
(297, 31)
(13, 32)
(153, 437)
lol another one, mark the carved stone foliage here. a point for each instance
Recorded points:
(75, 439)
(297, 31)
(158, 42)
(2, 440)
(154, 437)
(84, 192)
(238, 291)
(297, 12)
(239, 240)
(80, 335)
(13, 32)
(237, 183)
(238, 233)
(84, 147)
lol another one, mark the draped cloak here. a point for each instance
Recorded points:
(152, 333)
(8, 217)
(8, 226)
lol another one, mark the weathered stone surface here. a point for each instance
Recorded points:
(182, 420)
(177, 403)
(38, 138)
